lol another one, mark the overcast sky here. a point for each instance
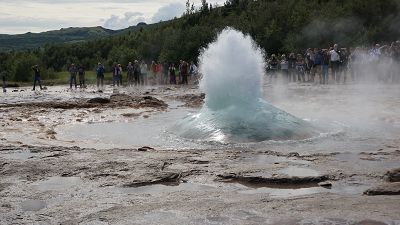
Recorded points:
(21, 16)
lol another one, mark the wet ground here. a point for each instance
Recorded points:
(75, 157)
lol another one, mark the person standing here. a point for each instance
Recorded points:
(120, 74)
(324, 78)
(184, 72)
(300, 64)
(171, 71)
(165, 73)
(292, 67)
(143, 73)
(344, 63)
(36, 70)
(100, 75)
(72, 75)
(136, 73)
(309, 69)
(115, 75)
(81, 74)
(4, 83)
(153, 73)
(395, 53)
(129, 74)
(273, 66)
(193, 72)
(284, 65)
(317, 65)
(335, 62)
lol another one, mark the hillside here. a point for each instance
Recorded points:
(65, 35)
(277, 26)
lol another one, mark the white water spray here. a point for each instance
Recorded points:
(234, 111)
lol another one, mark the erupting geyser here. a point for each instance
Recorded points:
(234, 110)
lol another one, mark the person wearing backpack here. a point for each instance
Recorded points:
(99, 75)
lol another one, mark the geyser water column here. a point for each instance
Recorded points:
(234, 110)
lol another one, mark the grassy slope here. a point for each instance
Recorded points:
(67, 35)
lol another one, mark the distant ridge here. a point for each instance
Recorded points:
(30, 40)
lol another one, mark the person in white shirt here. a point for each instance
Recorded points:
(335, 62)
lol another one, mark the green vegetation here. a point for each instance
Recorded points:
(277, 26)
(65, 35)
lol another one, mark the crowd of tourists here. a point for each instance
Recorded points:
(139, 73)
(332, 65)
(338, 65)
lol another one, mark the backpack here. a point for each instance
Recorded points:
(80, 71)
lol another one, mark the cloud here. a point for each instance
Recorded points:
(129, 19)
(168, 12)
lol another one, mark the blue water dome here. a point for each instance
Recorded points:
(232, 71)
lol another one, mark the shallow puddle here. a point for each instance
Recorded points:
(284, 193)
(167, 188)
(57, 183)
(153, 131)
(272, 159)
(32, 205)
(293, 190)
(295, 171)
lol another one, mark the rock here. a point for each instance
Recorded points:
(149, 101)
(130, 114)
(99, 100)
(145, 149)
(370, 222)
(121, 98)
(6, 205)
(171, 179)
(293, 154)
(325, 184)
(272, 180)
(393, 175)
(384, 189)
(192, 100)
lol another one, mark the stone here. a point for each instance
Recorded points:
(325, 184)
(99, 100)
(145, 149)
(384, 189)
(370, 222)
(393, 175)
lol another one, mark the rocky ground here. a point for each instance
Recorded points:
(48, 180)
